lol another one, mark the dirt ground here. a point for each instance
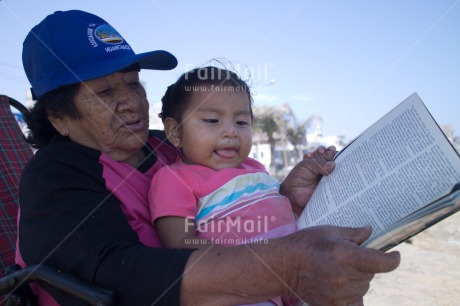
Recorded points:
(429, 273)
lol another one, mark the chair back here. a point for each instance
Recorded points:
(14, 154)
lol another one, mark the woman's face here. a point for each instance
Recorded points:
(114, 115)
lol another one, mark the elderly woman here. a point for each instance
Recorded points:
(84, 194)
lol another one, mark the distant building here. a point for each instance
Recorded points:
(261, 152)
(449, 130)
(29, 101)
(316, 138)
(155, 122)
(456, 143)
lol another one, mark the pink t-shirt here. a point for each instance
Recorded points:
(231, 206)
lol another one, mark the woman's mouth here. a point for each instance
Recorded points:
(135, 125)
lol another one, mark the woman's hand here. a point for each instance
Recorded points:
(335, 270)
(321, 265)
(300, 183)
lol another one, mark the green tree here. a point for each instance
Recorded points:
(296, 135)
(268, 122)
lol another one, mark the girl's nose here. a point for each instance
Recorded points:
(230, 130)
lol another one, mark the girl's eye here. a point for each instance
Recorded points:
(211, 120)
(242, 123)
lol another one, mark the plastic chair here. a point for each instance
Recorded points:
(14, 154)
(14, 289)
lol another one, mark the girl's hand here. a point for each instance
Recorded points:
(300, 183)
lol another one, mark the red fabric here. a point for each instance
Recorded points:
(14, 154)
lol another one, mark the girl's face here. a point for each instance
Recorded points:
(216, 128)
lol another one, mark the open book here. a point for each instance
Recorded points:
(400, 176)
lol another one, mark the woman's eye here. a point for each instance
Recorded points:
(211, 120)
(135, 83)
(104, 91)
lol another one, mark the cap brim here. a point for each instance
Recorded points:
(157, 60)
(154, 60)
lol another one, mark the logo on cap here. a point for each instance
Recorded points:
(108, 35)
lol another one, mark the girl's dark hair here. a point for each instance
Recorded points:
(177, 95)
(57, 103)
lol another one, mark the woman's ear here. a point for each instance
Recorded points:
(60, 124)
(172, 131)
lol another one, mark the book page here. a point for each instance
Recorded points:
(416, 222)
(398, 165)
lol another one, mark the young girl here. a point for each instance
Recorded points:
(215, 193)
(219, 193)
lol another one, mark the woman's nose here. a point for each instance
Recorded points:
(128, 99)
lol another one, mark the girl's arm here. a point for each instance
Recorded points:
(178, 232)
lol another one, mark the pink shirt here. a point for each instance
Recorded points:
(229, 207)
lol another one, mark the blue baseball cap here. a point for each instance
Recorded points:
(75, 46)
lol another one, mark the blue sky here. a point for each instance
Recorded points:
(349, 62)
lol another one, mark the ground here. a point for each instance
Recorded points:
(429, 273)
